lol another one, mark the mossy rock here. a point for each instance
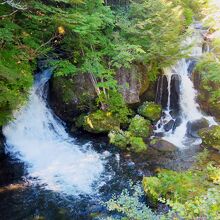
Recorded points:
(211, 136)
(71, 96)
(100, 122)
(162, 145)
(125, 141)
(137, 145)
(140, 127)
(119, 138)
(80, 120)
(150, 110)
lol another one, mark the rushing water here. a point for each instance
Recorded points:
(45, 173)
(185, 109)
(51, 155)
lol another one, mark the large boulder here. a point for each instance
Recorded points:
(169, 125)
(119, 138)
(162, 145)
(194, 126)
(140, 127)
(137, 145)
(133, 82)
(211, 136)
(150, 110)
(162, 92)
(98, 122)
(125, 141)
(70, 96)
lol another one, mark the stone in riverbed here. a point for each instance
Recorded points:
(177, 123)
(162, 145)
(150, 110)
(211, 136)
(98, 122)
(140, 127)
(194, 126)
(125, 141)
(168, 126)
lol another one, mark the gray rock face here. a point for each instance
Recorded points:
(71, 96)
(169, 126)
(162, 145)
(195, 126)
(177, 123)
(133, 82)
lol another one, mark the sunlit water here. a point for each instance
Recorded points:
(189, 108)
(39, 139)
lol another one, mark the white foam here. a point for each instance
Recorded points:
(52, 157)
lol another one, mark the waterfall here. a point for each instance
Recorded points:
(184, 109)
(52, 157)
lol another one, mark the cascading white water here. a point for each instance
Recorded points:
(40, 140)
(189, 109)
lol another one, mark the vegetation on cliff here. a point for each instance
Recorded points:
(86, 36)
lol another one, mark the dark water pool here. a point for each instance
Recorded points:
(21, 200)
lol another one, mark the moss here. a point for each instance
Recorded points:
(140, 127)
(150, 110)
(100, 122)
(211, 137)
(193, 194)
(137, 145)
(125, 141)
(119, 138)
(80, 120)
(74, 89)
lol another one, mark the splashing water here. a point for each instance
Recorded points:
(40, 140)
(189, 108)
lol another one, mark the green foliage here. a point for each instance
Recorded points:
(116, 105)
(63, 68)
(140, 127)
(126, 141)
(150, 110)
(100, 122)
(137, 144)
(119, 138)
(209, 68)
(96, 40)
(15, 81)
(192, 194)
(211, 136)
(128, 205)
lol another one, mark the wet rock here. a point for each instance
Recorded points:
(177, 123)
(211, 136)
(150, 110)
(175, 93)
(162, 145)
(126, 141)
(169, 126)
(99, 122)
(119, 138)
(70, 96)
(162, 92)
(194, 126)
(137, 145)
(192, 64)
(140, 127)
